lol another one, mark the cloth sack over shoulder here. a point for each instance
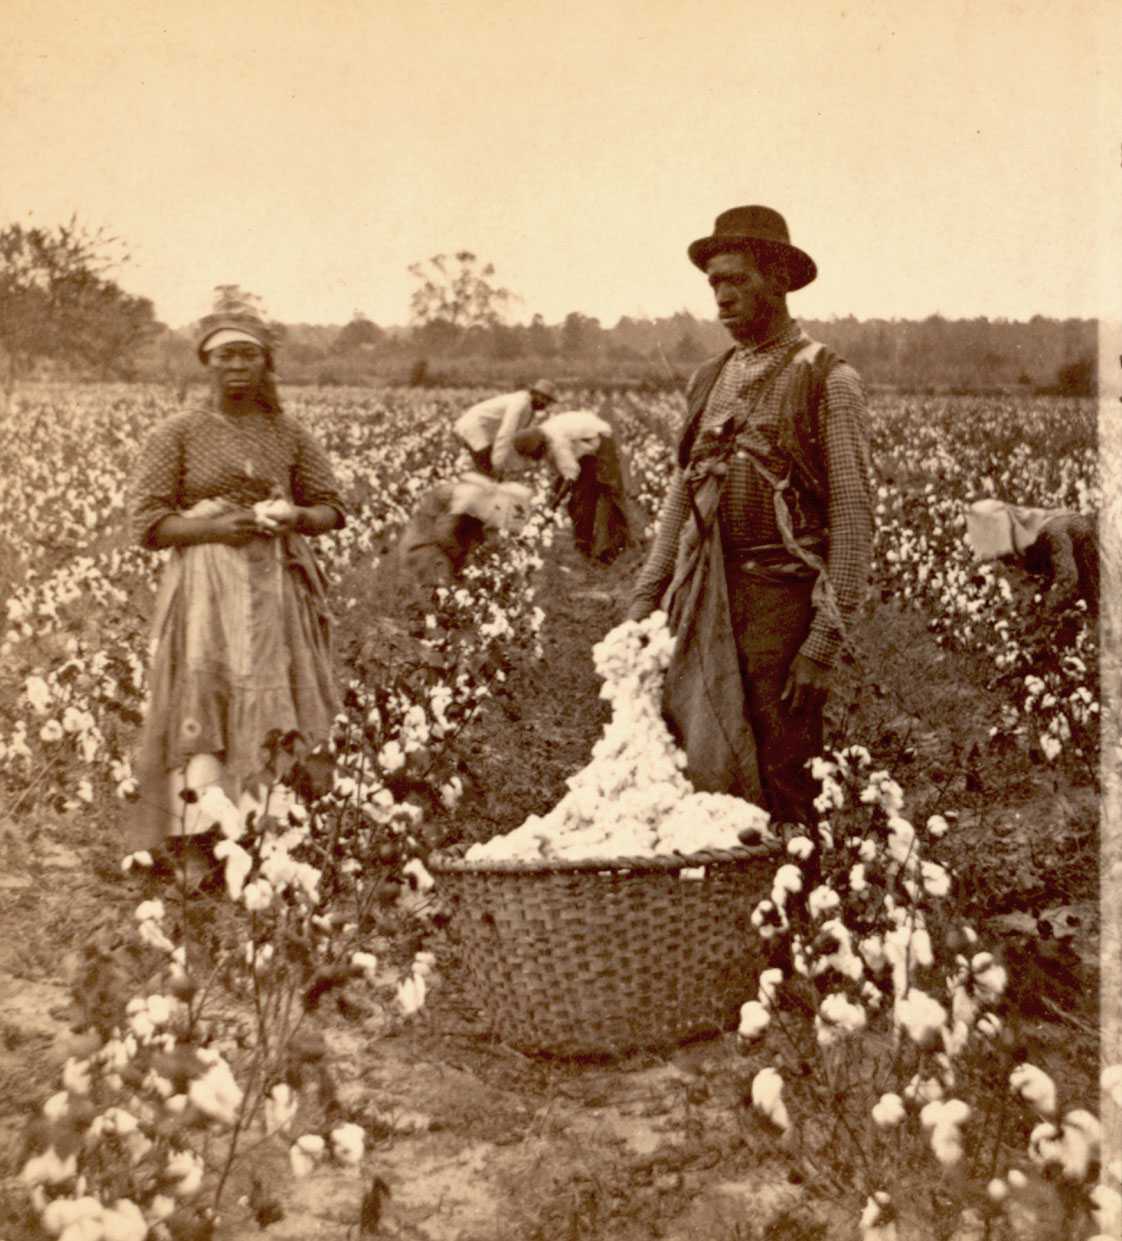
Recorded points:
(995, 528)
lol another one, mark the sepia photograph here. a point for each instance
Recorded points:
(561, 653)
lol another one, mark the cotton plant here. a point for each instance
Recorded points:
(150, 1124)
(878, 1019)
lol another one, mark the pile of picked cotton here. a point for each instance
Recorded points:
(633, 798)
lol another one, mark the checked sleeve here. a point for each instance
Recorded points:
(313, 480)
(849, 509)
(155, 491)
(658, 569)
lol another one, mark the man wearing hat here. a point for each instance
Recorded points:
(488, 429)
(762, 553)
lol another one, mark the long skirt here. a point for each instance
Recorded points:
(241, 645)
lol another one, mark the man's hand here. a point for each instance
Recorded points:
(808, 684)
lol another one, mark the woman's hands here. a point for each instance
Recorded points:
(280, 517)
(235, 527)
(276, 516)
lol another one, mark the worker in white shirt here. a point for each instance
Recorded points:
(488, 428)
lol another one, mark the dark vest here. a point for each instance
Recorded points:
(801, 437)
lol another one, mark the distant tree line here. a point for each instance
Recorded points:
(974, 355)
(60, 309)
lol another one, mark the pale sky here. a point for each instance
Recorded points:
(933, 156)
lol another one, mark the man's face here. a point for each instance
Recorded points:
(538, 400)
(747, 300)
(237, 368)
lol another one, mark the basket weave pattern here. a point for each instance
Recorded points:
(604, 956)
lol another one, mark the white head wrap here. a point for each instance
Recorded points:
(227, 336)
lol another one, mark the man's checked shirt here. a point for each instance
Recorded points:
(747, 513)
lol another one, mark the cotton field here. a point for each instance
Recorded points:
(326, 942)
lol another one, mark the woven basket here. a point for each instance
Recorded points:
(606, 956)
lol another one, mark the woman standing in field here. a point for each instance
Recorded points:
(241, 637)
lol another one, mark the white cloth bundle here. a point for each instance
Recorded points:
(499, 506)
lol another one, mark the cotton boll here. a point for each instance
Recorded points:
(754, 1019)
(184, 1171)
(767, 1097)
(1035, 1087)
(945, 1119)
(822, 900)
(303, 1157)
(415, 869)
(1082, 1139)
(76, 1076)
(281, 1106)
(946, 1145)
(924, 1090)
(64, 1214)
(411, 994)
(840, 957)
(920, 1016)
(788, 881)
(936, 881)
(123, 1221)
(873, 954)
(57, 1106)
(770, 981)
(215, 807)
(238, 865)
(901, 840)
(888, 1111)
(878, 1219)
(367, 962)
(937, 826)
(1106, 1209)
(347, 1144)
(216, 1094)
(989, 1025)
(837, 1017)
(48, 1168)
(258, 895)
(989, 978)
(1044, 1146)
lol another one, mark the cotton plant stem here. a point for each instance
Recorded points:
(258, 1008)
(51, 763)
(252, 1101)
(196, 1009)
(241, 1121)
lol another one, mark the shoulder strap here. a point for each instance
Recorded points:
(697, 394)
(802, 436)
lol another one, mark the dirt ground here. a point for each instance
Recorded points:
(474, 1141)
